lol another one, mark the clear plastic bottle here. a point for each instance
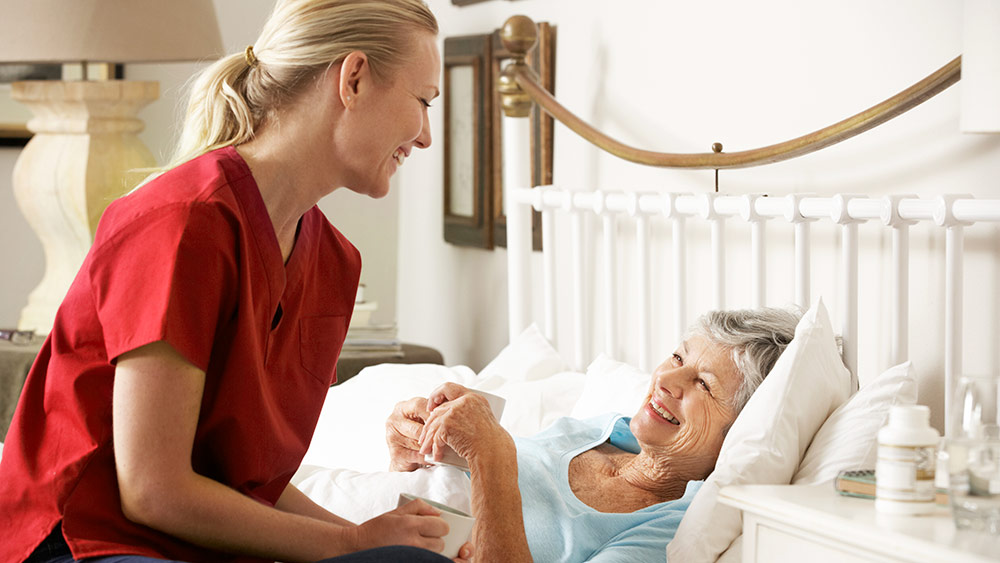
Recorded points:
(904, 473)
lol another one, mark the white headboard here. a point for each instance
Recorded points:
(616, 220)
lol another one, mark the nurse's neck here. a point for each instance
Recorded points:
(284, 192)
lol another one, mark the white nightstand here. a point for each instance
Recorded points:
(815, 524)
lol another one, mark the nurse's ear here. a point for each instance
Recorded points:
(355, 78)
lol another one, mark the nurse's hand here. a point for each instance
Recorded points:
(402, 432)
(415, 523)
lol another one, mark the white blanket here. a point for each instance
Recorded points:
(359, 496)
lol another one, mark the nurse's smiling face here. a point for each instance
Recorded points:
(390, 118)
(689, 405)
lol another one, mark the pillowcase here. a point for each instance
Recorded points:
(735, 552)
(534, 405)
(767, 440)
(849, 437)
(528, 357)
(611, 386)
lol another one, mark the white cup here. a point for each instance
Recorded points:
(448, 455)
(459, 524)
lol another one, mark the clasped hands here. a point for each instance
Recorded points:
(452, 416)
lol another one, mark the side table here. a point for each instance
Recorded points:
(813, 523)
(350, 363)
(15, 361)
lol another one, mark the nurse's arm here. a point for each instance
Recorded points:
(295, 501)
(157, 399)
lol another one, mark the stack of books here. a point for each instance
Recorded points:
(372, 340)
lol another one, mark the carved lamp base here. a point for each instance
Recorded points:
(85, 152)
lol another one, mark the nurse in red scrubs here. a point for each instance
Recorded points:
(181, 383)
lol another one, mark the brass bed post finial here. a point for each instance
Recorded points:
(716, 149)
(519, 35)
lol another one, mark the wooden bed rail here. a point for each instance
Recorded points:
(519, 88)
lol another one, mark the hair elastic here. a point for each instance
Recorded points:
(250, 57)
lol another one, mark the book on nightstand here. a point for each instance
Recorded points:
(861, 483)
(373, 339)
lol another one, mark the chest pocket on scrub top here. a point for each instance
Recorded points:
(320, 340)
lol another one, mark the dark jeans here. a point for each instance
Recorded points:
(55, 550)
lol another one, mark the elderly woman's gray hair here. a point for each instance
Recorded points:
(755, 338)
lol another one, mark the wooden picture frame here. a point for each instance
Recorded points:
(542, 59)
(468, 173)
(14, 115)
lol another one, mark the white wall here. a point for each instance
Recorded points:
(21, 259)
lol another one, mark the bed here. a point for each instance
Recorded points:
(625, 270)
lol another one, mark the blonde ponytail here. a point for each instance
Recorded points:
(228, 101)
(217, 112)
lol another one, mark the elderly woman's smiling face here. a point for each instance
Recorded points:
(689, 405)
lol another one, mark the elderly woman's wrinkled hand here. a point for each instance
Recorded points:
(464, 421)
(402, 433)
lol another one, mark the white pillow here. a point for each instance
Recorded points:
(735, 552)
(849, 437)
(764, 445)
(535, 404)
(611, 386)
(528, 357)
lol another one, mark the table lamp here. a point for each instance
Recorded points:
(85, 131)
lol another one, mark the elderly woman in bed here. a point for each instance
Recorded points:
(608, 488)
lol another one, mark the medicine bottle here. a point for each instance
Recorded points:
(904, 473)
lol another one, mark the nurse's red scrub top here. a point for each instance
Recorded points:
(191, 258)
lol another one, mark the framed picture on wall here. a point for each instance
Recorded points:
(468, 175)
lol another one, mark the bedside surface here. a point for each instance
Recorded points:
(350, 363)
(817, 518)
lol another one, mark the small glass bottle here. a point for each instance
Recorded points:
(904, 473)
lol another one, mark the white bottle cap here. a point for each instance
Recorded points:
(910, 416)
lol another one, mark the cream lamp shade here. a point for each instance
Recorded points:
(85, 150)
(119, 31)
(980, 87)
